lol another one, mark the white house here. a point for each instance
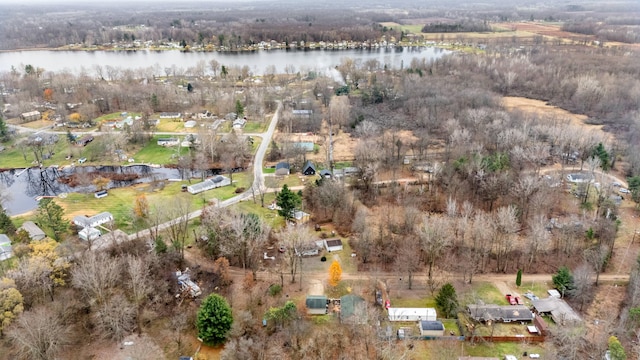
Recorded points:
(412, 314)
(215, 182)
(579, 178)
(89, 234)
(168, 141)
(96, 220)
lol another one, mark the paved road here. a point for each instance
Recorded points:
(258, 177)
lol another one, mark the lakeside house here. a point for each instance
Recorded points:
(35, 233)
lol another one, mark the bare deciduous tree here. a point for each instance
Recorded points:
(39, 334)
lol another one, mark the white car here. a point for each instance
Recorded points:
(624, 191)
(534, 356)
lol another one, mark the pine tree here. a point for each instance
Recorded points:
(214, 320)
(50, 215)
(447, 300)
(519, 278)
(6, 225)
(288, 201)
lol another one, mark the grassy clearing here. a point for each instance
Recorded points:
(291, 180)
(154, 153)
(501, 349)
(254, 127)
(407, 302)
(12, 156)
(486, 292)
(170, 126)
(270, 216)
(269, 170)
(349, 264)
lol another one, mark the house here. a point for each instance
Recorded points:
(6, 251)
(215, 182)
(30, 116)
(168, 141)
(492, 312)
(83, 141)
(579, 178)
(239, 123)
(348, 171)
(310, 248)
(561, 312)
(308, 168)
(412, 314)
(302, 113)
(333, 245)
(231, 116)
(89, 234)
(283, 168)
(317, 305)
(84, 221)
(170, 115)
(325, 174)
(307, 146)
(431, 328)
(353, 309)
(35, 233)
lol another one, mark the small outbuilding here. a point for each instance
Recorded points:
(6, 251)
(89, 234)
(317, 305)
(412, 314)
(308, 168)
(431, 328)
(35, 233)
(283, 168)
(325, 174)
(333, 245)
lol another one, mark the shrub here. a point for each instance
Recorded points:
(323, 258)
(275, 289)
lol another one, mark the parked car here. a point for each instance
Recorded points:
(511, 299)
(530, 296)
(616, 184)
(100, 194)
(82, 160)
(519, 300)
(379, 297)
(624, 191)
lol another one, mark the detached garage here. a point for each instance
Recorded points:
(333, 245)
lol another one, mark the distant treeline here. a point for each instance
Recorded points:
(464, 26)
(620, 32)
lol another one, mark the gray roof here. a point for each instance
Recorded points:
(500, 313)
(283, 165)
(306, 145)
(33, 230)
(353, 306)
(6, 251)
(308, 165)
(316, 301)
(560, 311)
(334, 242)
(4, 239)
(431, 325)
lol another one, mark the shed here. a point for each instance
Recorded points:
(412, 314)
(35, 233)
(316, 304)
(6, 251)
(283, 168)
(333, 245)
(431, 328)
(170, 115)
(561, 312)
(300, 216)
(308, 168)
(190, 124)
(89, 234)
(30, 116)
(325, 173)
(353, 309)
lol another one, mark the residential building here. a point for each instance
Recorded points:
(492, 312)
(213, 183)
(308, 168)
(93, 221)
(431, 328)
(283, 168)
(35, 233)
(317, 304)
(412, 314)
(333, 245)
(6, 251)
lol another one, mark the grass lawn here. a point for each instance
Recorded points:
(290, 180)
(349, 264)
(270, 216)
(12, 156)
(37, 124)
(167, 125)
(154, 153)
(486, 292)
(255, 127)
(269, 170)
(413, 303)
(502, 349)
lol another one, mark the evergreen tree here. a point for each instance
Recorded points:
(189, 87)
(563, 280)
(288, 201)
(4, 130)
(447, 300)
(239, 109)
(50, 215)
(6, 225)
(214, 320)
(601, 153)
(519, 278)
(616, 350)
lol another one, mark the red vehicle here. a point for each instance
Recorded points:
(518, 300)
(511, 299)
(387, 304)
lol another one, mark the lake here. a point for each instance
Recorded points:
(302, 61)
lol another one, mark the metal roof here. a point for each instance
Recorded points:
(316, 301)
(431, 325)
